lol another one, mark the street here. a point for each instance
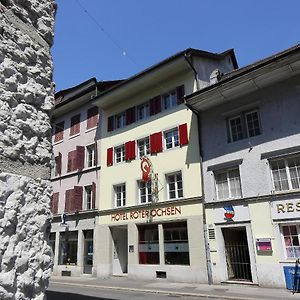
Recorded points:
(64, 292)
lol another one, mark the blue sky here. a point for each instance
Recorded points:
(92, 44)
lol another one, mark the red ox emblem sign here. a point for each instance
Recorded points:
(146, 168)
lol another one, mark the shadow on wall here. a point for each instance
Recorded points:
(51, 295)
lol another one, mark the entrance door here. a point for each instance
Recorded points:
(120, 252)
(88, 252)
(237, 253)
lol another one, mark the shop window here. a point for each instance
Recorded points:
(90, 156)
(244, 125)
(171, 138)
(291, 235)
(119, 154)
(176, 244)
(68, 244)
(52, 241)
(286, 173)
(145, 193)
(174, 183)
(120, 195)
(148, 244)
(228, 184)
(143, 147)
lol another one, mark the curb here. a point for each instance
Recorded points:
(164, 292)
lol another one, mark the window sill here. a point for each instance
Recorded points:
(74, 136)
(285, 192)
(58, 142)
(90, 129)
(75, 173)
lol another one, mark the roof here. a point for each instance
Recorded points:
(228, 78)
(185, 53)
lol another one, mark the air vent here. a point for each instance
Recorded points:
(211, 234)
(161, 274)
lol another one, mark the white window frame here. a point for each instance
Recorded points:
(283, 241)
(174, 142)
(120, 120)
(230, 128)
(247, 125)
(88, 197)
(145, 111)
(229, 187)
(169, 100)
(148, 191)
(178, 191)
(119, 154)
(287, 172)
(143, 146)
(120, 195)
(90, 152)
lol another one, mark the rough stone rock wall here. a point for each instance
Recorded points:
(26, 100)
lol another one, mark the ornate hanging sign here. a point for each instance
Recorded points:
(146, 168)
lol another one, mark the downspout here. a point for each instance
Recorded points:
(206, 243)
(190, 63)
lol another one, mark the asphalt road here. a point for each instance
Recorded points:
(64, 292)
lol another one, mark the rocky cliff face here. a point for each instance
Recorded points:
(26, 100)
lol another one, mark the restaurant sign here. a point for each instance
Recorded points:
(146, 213)
(286, 209)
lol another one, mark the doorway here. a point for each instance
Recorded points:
(237, 254)
(88, 252)
(120, 253)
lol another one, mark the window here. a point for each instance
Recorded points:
(143, 111)
(119, 154)
(171, 138)
(90, 156)
(120, 195)
(145, 193)
(120, 120)
(88, 197)
(176, 244)
(228, 184)
(286, 173)
(244, 125)
(143, 147)
(59, 132)
(68, 248)
(169, 100)
(92, 117)
(72, 161)
(148, 244)
(75, 125)
(291, 240)
(174, 183)
(52, 241)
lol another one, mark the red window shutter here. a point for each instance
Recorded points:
(132, 146)
(152, 106)
(70, 158)
(159, 145)
(183, 134)
(180, 93)
(92, 117)
(75, 125)
(96, 154)
(109, 158)
(153, 143)
(93, 195)
(58, 162)
(68, 199)
(80, 157)
(54, 203)
(130, 115)
(77, 201)
(59, 131)
(127, 151)
(157, 100)
(110, 123)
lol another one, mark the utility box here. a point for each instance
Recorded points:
(292, 278)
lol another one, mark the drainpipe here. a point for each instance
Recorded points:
(206, 243)
(190, 63)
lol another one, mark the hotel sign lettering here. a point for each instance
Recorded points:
(285, 209)
(147, 213)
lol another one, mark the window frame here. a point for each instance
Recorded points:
(227, 171)
(120, 120)
(121, 158)
(122, 192)
(286, 256)
(169, 100)
(174, 143)
(285, 161)
(176, 190)
(91, 148)
(145, 146)
(145, 113)
(148, 191)
(88, 193)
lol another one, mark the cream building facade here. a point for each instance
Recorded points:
(154, 229)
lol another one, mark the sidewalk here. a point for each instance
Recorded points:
(224, 291)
